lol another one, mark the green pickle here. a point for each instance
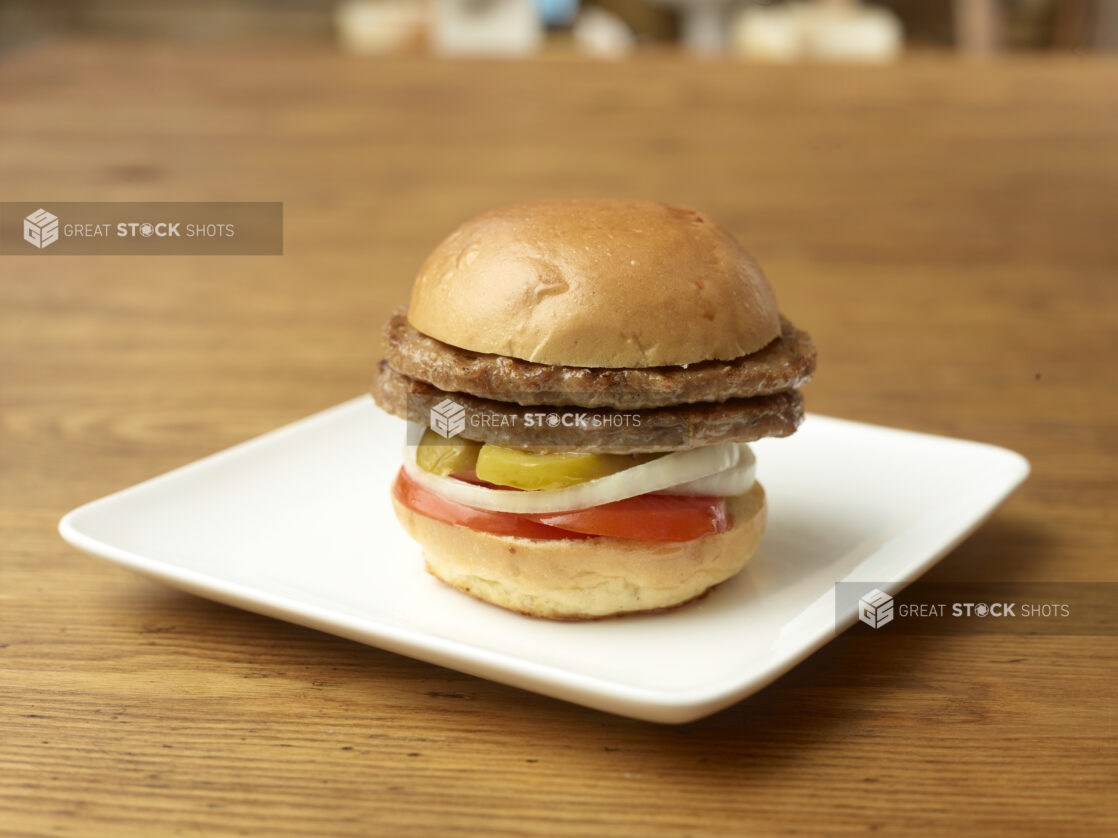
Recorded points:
(446, 456)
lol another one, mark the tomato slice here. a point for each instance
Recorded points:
(646, 517)
(643, 518)
(425, 502)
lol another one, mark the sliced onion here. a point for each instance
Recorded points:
(735, 480)
(675, 469)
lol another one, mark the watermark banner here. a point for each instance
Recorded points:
(1070, 608)
(240, 228)
(541, 427)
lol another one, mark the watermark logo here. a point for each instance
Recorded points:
(516, 419)
(875, 609)
(1008, 607)
(147, 228)
(40, 228)
(448, 418)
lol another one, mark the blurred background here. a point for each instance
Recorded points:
(806, 30)
(905, 169)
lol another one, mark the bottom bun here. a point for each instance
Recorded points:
(587, 578)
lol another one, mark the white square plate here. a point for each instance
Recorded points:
(297, 524)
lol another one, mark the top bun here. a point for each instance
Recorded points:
(595, 283)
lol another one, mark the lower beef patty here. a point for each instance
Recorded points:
(784, 364)
(599, 430)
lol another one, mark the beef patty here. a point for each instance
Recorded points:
(784, 364)
(600, 430)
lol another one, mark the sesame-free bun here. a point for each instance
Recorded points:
(595, 283)
(584, 579)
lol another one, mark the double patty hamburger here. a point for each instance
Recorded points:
(582, 378)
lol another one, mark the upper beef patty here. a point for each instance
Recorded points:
(784, 364)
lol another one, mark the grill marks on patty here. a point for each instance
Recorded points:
(784, 364)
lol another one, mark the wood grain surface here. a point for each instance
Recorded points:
(946, 231)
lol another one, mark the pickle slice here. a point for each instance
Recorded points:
(446, 456)
(531, 471)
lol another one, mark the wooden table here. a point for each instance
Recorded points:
(946, 231)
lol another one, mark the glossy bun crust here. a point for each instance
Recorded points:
(595, 283)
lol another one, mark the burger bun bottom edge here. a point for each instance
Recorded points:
(591, 578)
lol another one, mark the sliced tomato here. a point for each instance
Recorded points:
(425, 502)
(643, 518)
(646, 517)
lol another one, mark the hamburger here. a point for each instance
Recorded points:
(581, 379)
